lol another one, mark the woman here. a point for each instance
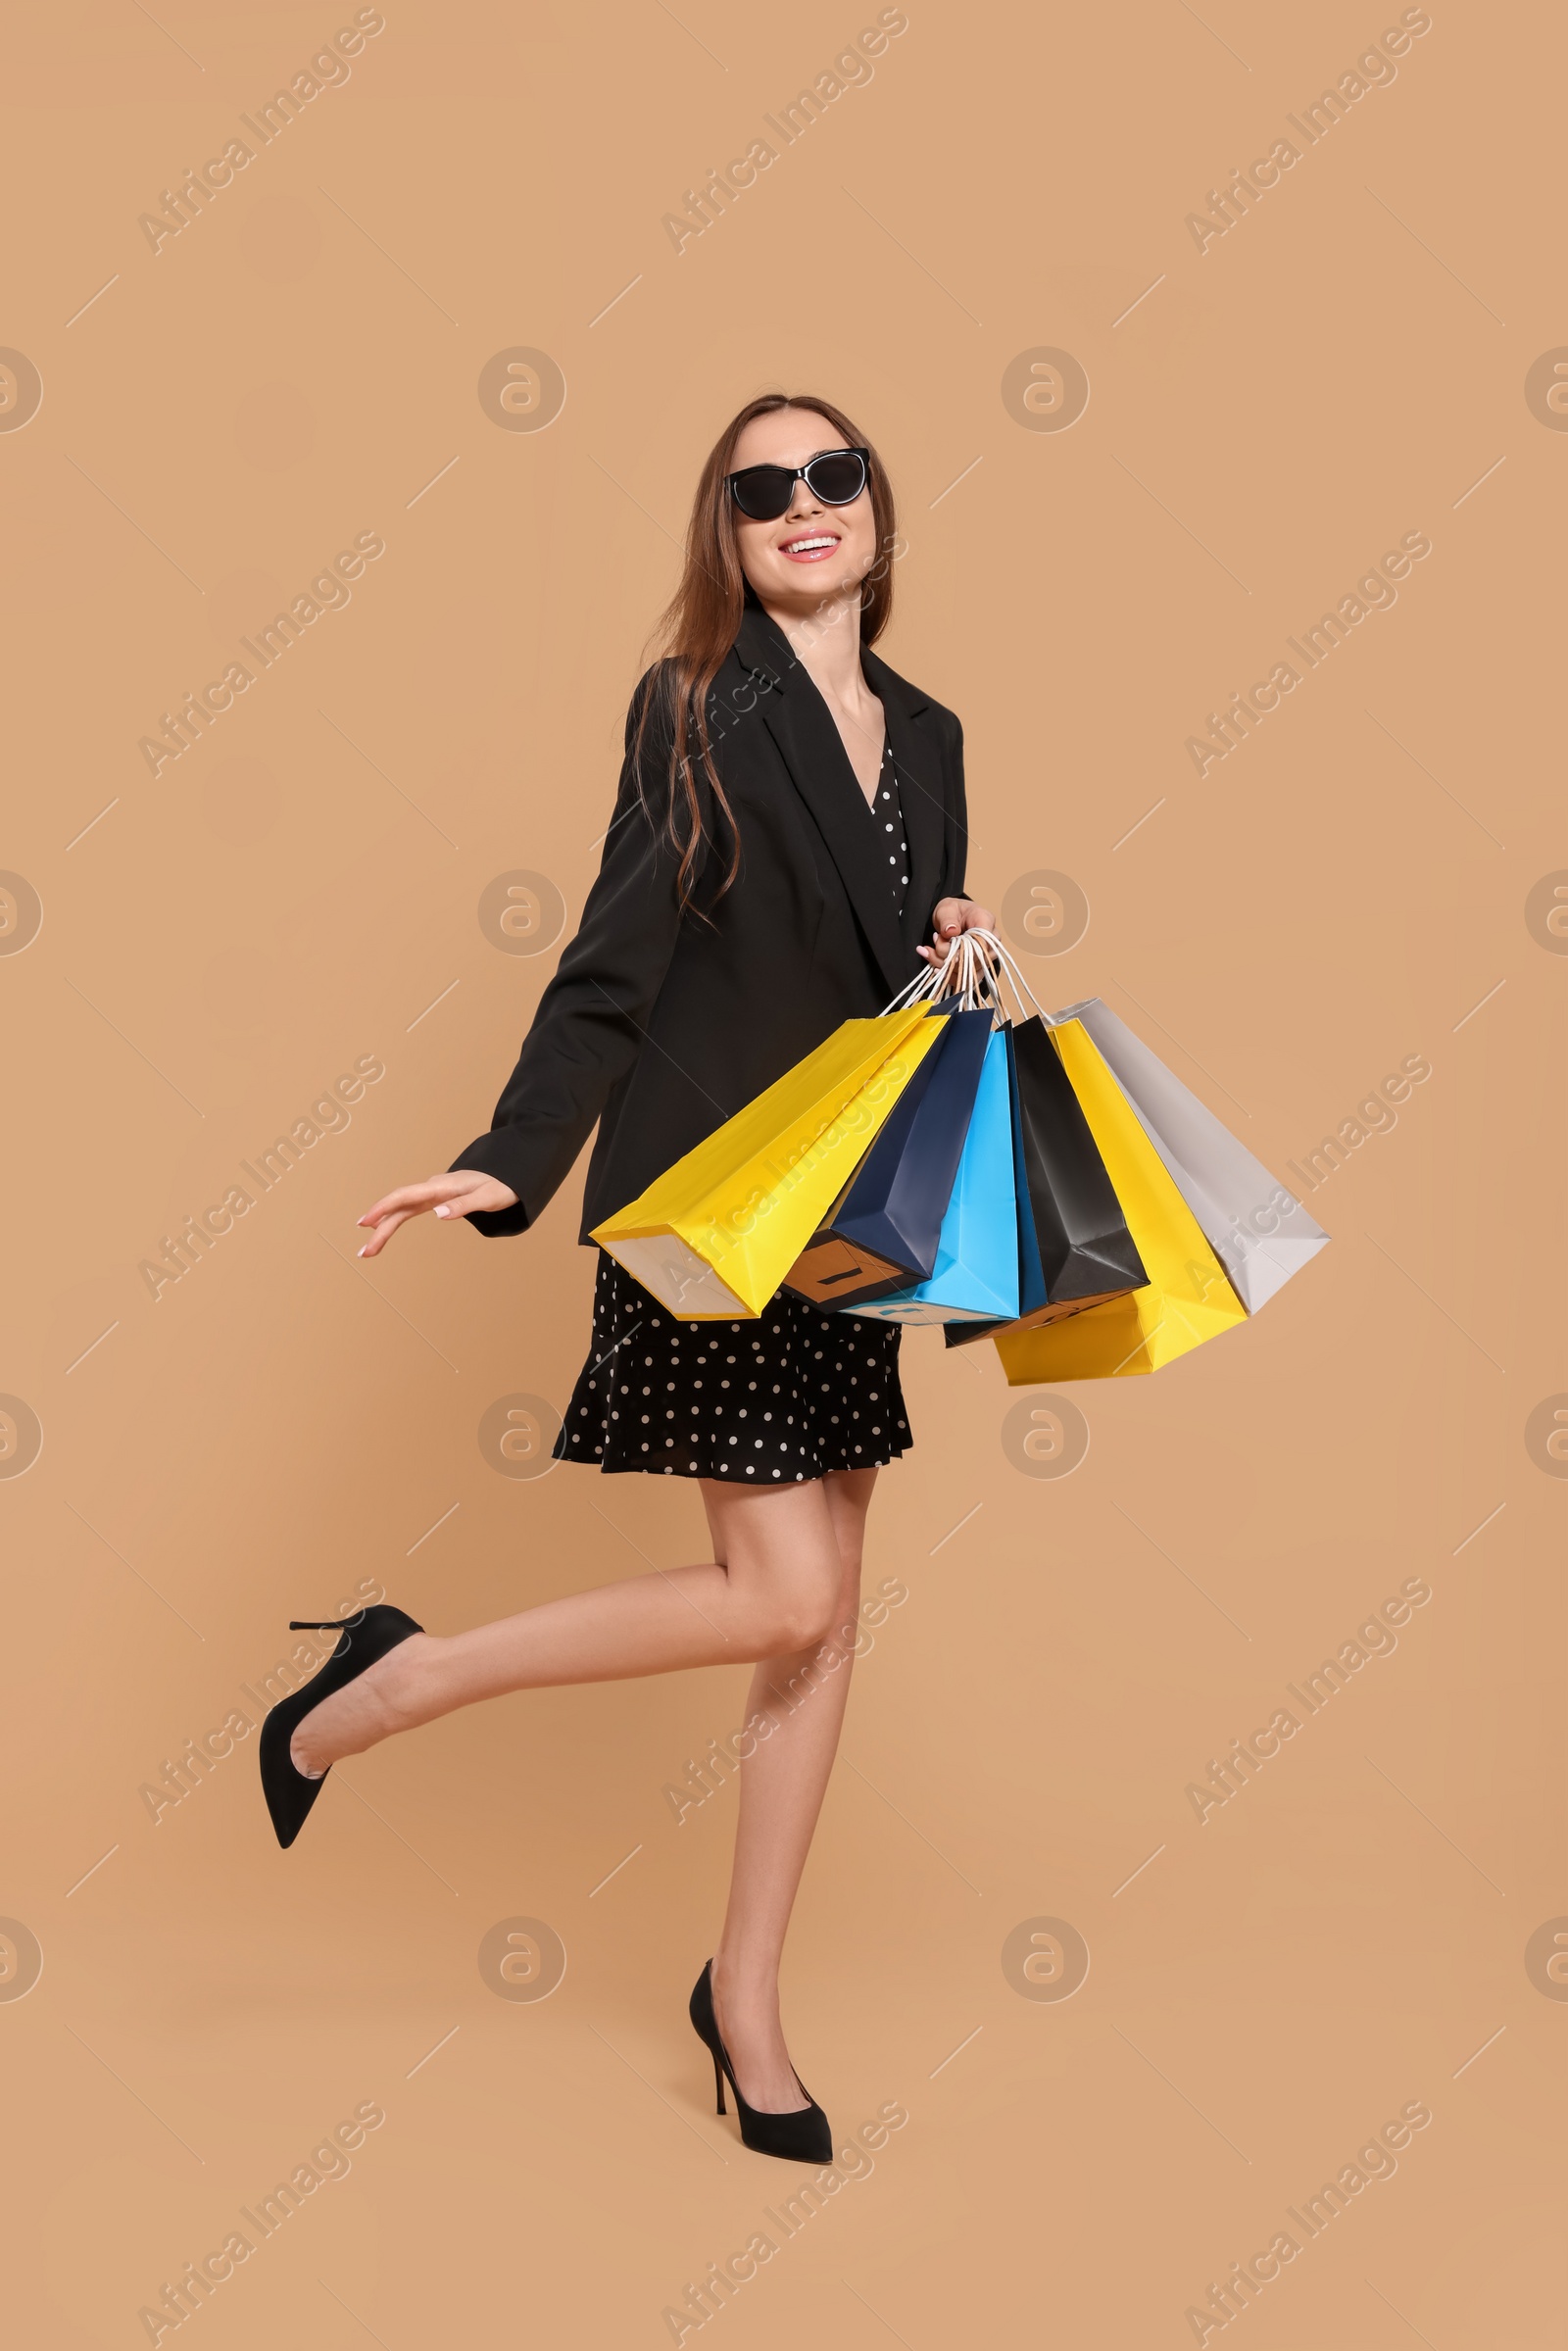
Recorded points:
(788, 837)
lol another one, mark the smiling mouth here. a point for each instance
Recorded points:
(809, 548)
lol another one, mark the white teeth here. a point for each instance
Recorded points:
(804, 546)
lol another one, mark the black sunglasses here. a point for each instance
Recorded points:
(834, 477)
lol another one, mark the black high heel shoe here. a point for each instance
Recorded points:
(366, 1638)
(805, 2136)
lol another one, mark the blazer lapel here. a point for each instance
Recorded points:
(918, 765)
(803, 727)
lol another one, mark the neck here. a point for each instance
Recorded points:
(826, 642)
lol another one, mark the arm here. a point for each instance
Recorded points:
(591, 1019)
(588, 1027)
(954, 911)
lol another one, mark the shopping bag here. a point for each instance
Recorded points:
(1188, 1297)
(1258, 1230)
(976, 1270)
(883, 1231)
(1033, 1296)
(714, 1236)
(1086, 1251)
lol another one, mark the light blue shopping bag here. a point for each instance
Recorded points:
(975, 1278)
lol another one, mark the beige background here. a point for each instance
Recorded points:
(302, 888)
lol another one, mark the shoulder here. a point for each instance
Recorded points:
(663, 779)
(652, 702)
(946, 723)
(915, 702)
(652, 715)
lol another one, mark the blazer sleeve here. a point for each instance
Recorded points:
(955, 843)
(591, 1019)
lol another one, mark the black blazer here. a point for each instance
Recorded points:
(662, 1025)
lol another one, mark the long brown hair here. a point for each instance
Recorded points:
(698, 627)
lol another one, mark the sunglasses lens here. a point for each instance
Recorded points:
(838, 477)
(764, 492)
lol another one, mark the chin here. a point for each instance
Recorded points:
(818, 580)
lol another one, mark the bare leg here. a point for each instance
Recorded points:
(773, 1591)
(783, 1590)
(801, 1692)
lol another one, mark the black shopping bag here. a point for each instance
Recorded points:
(1087, 1254)
(881, 1233)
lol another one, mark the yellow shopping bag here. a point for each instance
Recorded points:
(1189, 1297)
(715, 1235)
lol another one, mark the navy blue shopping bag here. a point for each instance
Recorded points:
(975, 1276)
(883, 1230)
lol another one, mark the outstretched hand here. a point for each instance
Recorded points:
(953, 916)
(449, 1195)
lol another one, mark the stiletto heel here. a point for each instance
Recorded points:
(367, 1637)
(804, 2135)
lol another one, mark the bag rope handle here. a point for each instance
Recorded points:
(1022, 991)
(964, 972)
(972, 970)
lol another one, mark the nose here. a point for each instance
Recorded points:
(802, 506)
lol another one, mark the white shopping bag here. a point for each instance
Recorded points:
(1256, 1228)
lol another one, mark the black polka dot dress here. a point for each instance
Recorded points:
(887, 810)
(767, 1402)
(788, 1396)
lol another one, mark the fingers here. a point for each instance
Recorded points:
(412, 1197)
(958, 914)
(458, 1195)
(384, 1230)
(409, 1199)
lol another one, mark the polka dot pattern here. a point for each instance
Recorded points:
(787, 1397)
(888, 810)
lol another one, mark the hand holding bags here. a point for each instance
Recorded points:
(713, 1237)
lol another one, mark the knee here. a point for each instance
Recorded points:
(802, 1618)
(827, 1609)
(808, 1628)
